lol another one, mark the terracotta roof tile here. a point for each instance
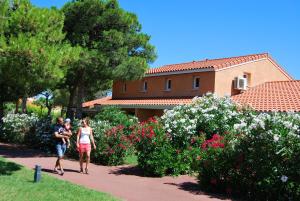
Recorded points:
(207, 63)
(97, 101)
(280, 96)
(149, 102)
(214, 64)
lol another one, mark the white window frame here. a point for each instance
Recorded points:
(194, 82)
(167, 86)
(145, 83)
(124, 87)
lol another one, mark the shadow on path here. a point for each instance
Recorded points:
(18, 151)
(195, 189)
(52, 172)
(7, 168)
(128, 170)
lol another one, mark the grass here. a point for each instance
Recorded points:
(131, 160)
(16, 184)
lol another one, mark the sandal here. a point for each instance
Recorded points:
(81, 171)
(55, 170)
(62, 173)
(86, 171)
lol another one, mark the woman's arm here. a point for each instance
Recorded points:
(78, 136)
(92, 138)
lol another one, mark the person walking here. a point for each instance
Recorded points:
(84, 138)
(59, 134)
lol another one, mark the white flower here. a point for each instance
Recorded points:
(284, 178)
(276, 138)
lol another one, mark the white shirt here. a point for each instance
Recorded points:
(85, 135)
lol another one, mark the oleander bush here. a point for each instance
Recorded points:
(154, 150)
(260, 161)
(112, 147)
(189, 125)
(111, 128)
(43, 137)
(16, 128)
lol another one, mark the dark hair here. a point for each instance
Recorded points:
(58, 119)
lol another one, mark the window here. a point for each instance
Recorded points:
(145, 86)
(196, 83)
(168, 85)
(124, 87)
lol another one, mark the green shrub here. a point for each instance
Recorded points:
(154, 150)
(112, 143)
(112, 147)
(16, 128)
(37, 110)
(43, 138)
(115, 116)
(260, 162)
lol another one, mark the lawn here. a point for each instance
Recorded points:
(16, 184)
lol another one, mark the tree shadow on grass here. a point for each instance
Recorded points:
(7, 168)
(194, 188)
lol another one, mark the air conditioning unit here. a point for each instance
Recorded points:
(240, 83)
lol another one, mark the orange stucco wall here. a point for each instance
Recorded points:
(260, 71)
(145, 114)
(182, 86)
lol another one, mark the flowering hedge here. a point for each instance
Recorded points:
(113, 147)
(153, 147)
(260, 160)
(208, 115)
(111, 138)
(17, 127)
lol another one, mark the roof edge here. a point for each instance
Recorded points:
(279, 67)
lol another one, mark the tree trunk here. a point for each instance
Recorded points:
(49, 110)
(70, 113)
(17, 107)
(80, 95)
(62, 111)
(1, 111)
(24, 104)
(48, 105)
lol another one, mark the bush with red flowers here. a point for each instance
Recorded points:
(158, 155)
(112, 147)
(258, 161)
(153, 148)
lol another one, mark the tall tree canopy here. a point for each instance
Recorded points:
(114, 47)
(33, 56)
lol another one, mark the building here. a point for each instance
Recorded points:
(171, 85)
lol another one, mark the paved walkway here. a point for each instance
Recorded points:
(124, 182)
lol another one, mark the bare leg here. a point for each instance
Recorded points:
(60, 165)
(81, 161)
(56, 165)
(88, 154)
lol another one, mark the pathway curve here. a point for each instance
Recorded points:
(124, 182)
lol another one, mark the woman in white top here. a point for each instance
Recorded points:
(84, 138)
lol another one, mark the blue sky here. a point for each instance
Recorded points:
(190, 30)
